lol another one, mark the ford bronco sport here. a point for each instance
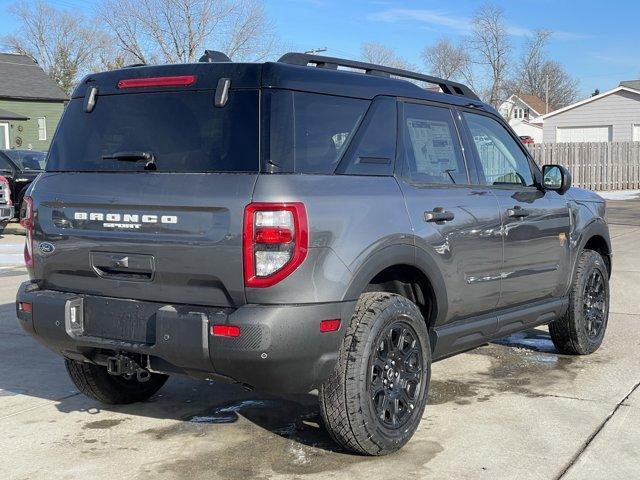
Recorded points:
(310, 223)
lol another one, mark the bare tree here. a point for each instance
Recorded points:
(63, 44)
(547, 79)
(379, 54)
(490, 46)
(173, 31)
(446, 60)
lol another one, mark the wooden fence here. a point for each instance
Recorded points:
(596, 166)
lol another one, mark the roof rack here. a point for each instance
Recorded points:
(305, 59)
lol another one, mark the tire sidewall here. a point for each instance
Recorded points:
(401, 309)
(593, 262)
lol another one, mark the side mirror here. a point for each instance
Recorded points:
(556, 178)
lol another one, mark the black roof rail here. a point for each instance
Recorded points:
(214, 56)
(305, 59)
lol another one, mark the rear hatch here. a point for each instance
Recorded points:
(143, 194)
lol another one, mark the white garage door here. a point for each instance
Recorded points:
(584, 134)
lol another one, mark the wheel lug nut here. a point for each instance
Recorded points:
(393, 362)
(391, 386)
(411, 406)
(386, 367)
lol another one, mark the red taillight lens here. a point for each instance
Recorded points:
(273, 235)
(26, 220)
(275, 242)
(225, 331)
(176, 81)
(7, 189)
(330, 325)
(25, 307)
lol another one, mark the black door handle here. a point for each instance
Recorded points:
(517, 212)
(438, 214)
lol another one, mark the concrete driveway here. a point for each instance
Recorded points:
(512, 409)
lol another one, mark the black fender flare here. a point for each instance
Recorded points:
(597, 227)
(401, 254)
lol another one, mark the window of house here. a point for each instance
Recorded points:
(42, 128)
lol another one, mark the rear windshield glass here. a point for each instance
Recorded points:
(27, 159)
(308, 132)
(182, 131)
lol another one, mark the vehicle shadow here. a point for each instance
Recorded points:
(43, 376)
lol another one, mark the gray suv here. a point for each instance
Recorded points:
(310, 223)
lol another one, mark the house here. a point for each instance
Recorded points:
(31, 104)
(612, 116)
(524, 114)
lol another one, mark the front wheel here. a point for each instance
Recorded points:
(581, 330)
(374, 400)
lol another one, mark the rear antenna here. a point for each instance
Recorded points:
(214, 56)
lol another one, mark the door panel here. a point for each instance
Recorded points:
(535, 224)
(535, 246)
(456, 223)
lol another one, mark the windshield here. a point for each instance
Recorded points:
(27, 159)
(179, 131)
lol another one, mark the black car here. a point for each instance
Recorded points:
(21, 167)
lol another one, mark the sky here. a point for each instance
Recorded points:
(597, 42)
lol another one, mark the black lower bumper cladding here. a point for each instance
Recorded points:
(280, 348)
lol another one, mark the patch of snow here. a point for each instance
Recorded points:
(620, 194)
(299, 455)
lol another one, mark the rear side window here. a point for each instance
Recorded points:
(432, 149)
(183, 131)
(308, 132)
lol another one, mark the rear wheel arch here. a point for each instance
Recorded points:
(397, 269)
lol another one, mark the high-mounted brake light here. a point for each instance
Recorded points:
(275, 242)
(175, 81)
(26, 220)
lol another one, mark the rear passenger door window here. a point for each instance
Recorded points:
(431, 146)
(501, 159)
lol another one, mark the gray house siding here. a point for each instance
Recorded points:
(621, 110)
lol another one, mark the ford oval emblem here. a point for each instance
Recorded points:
(46, 248)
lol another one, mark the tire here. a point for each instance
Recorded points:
(581, 330)
(95, 382)
(3, 225)
(352, 400)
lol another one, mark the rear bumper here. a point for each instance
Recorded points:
(280, 348)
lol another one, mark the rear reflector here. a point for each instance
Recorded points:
(25, 307)
(330, 325)
(225, 331)
(178, 81)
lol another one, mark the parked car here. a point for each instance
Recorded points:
(290, 226)
(20, 168)
(526, 139)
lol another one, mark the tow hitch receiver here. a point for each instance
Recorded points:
(121, 365)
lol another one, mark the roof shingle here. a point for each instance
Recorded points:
(21, 77)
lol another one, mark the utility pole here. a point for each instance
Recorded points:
(546, 94)
(313, 51)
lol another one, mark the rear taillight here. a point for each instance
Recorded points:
(6, 189)
(26, 220)
(275, 242)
